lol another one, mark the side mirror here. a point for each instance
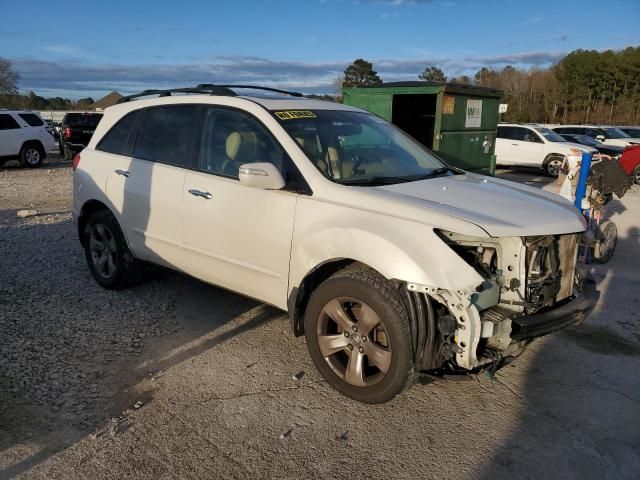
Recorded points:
(261, 175)
(600, 138)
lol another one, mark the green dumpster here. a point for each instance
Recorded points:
(457, 121)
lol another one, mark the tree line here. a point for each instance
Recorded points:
(586, 86)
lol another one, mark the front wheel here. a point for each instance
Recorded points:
(358, 336)
(553, 165)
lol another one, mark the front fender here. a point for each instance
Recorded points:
(397, 248)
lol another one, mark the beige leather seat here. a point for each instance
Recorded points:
(241, 148)
(323, 162)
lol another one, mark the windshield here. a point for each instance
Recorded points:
(583, 139)
(359, 148)
(550, 135)
(614, 133)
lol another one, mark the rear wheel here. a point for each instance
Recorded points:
(636, 175)
(553, 164)
(108, 256)
(358, 336)
(31, 155)
(608, 237)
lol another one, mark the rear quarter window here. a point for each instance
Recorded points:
(117, 140)
(32, 119)
(7, 122)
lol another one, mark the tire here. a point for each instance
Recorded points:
(109, 259)
(552, 165)
(31, 155)
(608, 237)
(380, 329)
(635, 175)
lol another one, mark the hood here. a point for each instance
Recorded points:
(500, 207)
(622, 142)
(584, 148)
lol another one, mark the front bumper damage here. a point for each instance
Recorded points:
(573, 312)
(532, 288)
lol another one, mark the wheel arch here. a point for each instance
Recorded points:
(300, 295)
(37, 143)
(89, 208)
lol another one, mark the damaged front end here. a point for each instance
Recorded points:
(531, 287)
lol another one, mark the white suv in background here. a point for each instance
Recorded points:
(520, 145)
(389, 261)
(24, 137)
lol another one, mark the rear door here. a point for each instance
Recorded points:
(528, 147)
(236, 236)
(150, 184)
(11, 135)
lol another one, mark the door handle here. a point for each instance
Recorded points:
(124, 173)
(199, 193)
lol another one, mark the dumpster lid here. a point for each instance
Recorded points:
(459, 88)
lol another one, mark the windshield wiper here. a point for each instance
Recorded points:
(391, 180)
(379, 180)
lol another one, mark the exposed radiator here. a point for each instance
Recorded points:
(567, 257)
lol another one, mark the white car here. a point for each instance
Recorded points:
(604, 134)
(389, 261)
(24, 137)
(519, 145)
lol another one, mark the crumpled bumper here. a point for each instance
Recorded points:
(571, 313)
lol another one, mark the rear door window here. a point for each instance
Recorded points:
(167, 135)
(117, 139)
(32, 119)
(7, 122)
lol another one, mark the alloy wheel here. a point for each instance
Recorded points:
(32, 156)
(102, 246)
(353, 341)
(553, 167)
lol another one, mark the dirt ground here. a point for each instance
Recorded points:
(179, 379)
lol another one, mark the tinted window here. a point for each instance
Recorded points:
(506, 132)
(166, 134)
(519, 133)
(115, 140)
(87, 119)
(231, 138)
(7, 122)
(32, 119)
(530, 136)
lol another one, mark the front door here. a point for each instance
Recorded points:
(236, 236)
(528, 148)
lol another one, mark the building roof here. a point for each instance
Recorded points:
(106, 101)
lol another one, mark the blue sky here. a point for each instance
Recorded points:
(76, 49)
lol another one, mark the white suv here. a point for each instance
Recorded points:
(389, 261)
(520, 145)
(24, 137)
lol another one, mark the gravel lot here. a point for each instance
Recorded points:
(179, 379)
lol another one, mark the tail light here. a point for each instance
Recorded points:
(76, 162)
(67, 133)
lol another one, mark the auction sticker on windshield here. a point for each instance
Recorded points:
(295, 114)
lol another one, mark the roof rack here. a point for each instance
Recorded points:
(252, 87)
(212, 90)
